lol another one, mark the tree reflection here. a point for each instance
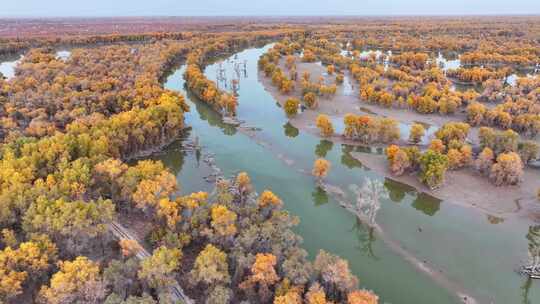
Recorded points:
(525, 291)
(397, 190)
(198, 157)
(533, 237)
(323, 148)
(211, 116)
(347, 159)
(320, 197)
(173, 156)
(290, 130)
(426, 203)
(366, 238)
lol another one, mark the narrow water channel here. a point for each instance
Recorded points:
(477, 252)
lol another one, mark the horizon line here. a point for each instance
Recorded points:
(270, 16)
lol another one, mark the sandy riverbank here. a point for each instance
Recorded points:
(466, 188)
(463, 187)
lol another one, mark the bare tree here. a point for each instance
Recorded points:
(368, 199)
(532, 268)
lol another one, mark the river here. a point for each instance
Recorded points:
(476, 252)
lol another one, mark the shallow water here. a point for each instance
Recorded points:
(471, 249)
(8, 64)
(447, 63)
(63, 54)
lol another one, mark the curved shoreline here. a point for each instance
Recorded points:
(421, 266)
(462, 187)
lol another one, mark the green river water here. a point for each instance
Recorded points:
(476, 252)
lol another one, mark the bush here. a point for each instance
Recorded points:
(437, 145)
(330, 69)
(475, 113)
(370, 129)
(310, 99)
(398, 160)
(508, 170)
(340, 78)
(454, 159)
(484, 161)
(528, 150)
(320, 168)
(498, 141)
(433, 166)
(417, 132)
(291, 106)
(453, 131)
(325, 125)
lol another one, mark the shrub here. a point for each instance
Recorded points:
(437, 145)
(433, 166)
(475, 113)
(291, 106)
(330, 69)
(320, 168)
(398, 160)
(340, 78)
(310, 99)
(417, 132)
(325, 125)
(528, 150)
(484, 161)
(453, 131)
(508, 170)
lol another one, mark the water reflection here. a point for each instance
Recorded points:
(228, 74)
(447, 61)
(323, 147)
(526, 288)
(320, 197)
(397, 190)
(396, 219)
(366, 239)
(290, 130)
(8, 65)
(63, 55)
(533, 238)
(347, 159)
(405, 132)
(428, 204)
(174, 155)
(213, 118)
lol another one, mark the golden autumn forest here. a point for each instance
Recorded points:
(200, 161)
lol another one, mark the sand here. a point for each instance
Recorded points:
(463, 187)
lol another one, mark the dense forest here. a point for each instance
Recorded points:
(68, 128)
(73, 131)
(411, 79)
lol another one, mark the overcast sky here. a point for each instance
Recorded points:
(263, 7)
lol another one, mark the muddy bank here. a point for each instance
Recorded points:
(347, 100)
(466, 188)
(463, 187)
